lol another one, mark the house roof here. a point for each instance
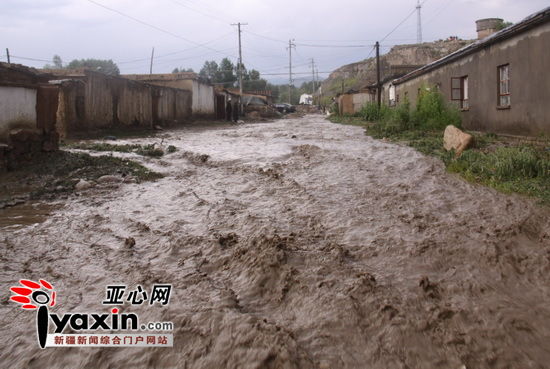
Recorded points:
(162, 77)
(531, 21)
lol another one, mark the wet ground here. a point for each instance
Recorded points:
(293, 244)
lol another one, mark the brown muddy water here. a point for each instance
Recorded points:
(294, 244)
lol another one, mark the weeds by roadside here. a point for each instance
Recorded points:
(56, 174)
(144, 150)
(493, 161)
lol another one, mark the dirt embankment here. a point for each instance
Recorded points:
(297, 244)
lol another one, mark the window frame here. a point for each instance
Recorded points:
(500, 82)
(463, 92)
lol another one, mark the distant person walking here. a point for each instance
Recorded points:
(229, 111)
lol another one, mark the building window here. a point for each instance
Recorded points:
(504, 85)
(459, 91)
(392, 95)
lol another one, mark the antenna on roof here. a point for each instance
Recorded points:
(419, 23)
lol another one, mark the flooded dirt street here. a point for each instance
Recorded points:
(295, 244)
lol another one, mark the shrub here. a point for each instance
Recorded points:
(433, 112)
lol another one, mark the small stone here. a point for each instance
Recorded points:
(109, 179)
(293, 136)
(130, 242)
(159, 128)
(82, 185)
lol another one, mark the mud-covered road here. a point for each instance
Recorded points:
(294, 244)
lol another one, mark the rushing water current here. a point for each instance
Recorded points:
(293, 244)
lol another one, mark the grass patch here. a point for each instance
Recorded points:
(348, 120)
(520, 168)
(493, 161)
(144, 150)
(56, 173)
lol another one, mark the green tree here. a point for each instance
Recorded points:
(503, 24)
(104, 66)
(183, 70)
(210, 71)
(227, 74)
(57, 63)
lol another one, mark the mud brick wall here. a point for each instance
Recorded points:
(345, 104)
(171, 105)
(96, 101)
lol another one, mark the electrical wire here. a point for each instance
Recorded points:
(176, 52)
(403, 21)
(155, 27)
(200, 12)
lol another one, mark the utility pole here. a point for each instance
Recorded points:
(378, 91)
(419, 23)
(8, 55)
(290, 46)
(240, 62)
(313, 76)
(320, 88)
(151, 65)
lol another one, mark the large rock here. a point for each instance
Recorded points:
(82, 185)
(455, 139)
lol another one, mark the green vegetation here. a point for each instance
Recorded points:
(503, 24)
(103, 66)
(68, 167)
(493, 161)
(145, 150)
(226, 74)
(55, 174)
(348, 120)
(523, 169)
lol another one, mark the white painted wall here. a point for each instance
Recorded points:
(17, 109)
(203, 99)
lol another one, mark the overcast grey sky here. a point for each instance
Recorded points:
(39, 29)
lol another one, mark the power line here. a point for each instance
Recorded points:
(403, 21)
(32, 59)
(200, 12)
(154, 27)
(265, 37)
(176, 52)
(333, 46)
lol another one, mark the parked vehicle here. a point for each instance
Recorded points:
(285, 108)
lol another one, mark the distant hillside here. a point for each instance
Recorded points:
(399, 60)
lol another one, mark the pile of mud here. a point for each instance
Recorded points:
(297, 244)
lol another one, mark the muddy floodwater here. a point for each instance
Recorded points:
(293, 244)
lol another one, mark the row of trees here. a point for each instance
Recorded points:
(104, 66)
(225, 74)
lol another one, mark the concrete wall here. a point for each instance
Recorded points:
(27, 122)
(529, 60)
(203, 96)
(17, 109)
(203, 99)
